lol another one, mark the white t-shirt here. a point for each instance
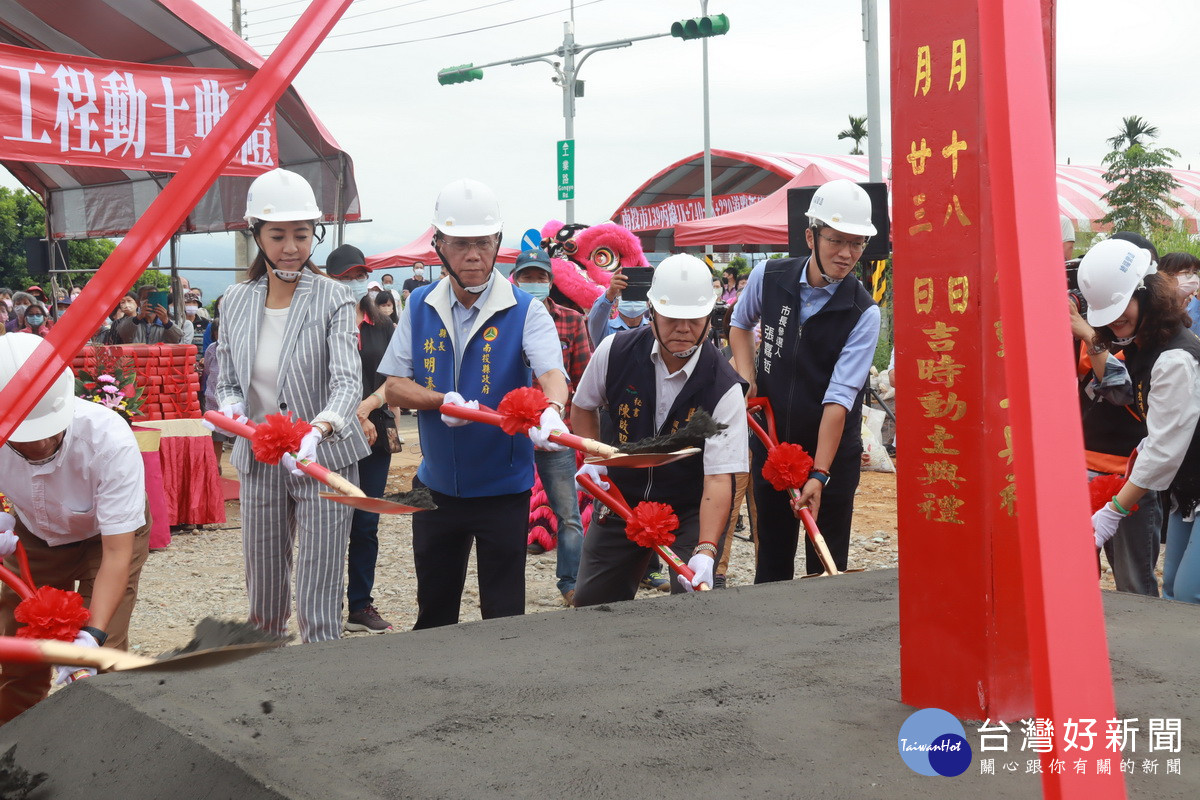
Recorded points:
(263, 397)
(95, 483)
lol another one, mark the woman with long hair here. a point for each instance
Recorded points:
(1133, 307)
(289, 345)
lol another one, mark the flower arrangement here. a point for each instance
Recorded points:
(111, 382)
(652, 524)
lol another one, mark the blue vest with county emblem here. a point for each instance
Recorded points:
(476, 460)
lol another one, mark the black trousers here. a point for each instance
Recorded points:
(611, 566)
(442, 540)
(779, 530)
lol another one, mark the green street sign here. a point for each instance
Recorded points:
(565, 155)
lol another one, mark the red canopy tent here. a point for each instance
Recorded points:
(762, 224)
(86, 201)
(420, 249)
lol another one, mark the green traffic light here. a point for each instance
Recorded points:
(460, 74)
(701, 27)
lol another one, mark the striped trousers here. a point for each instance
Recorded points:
(279, 512)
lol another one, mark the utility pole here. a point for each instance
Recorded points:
(870, 15)
(566, 74)
(241, 239)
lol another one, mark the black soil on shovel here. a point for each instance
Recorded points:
(417, 498)
(698, 429)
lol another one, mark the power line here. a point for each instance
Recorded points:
(277, 5)
(294, 17)
(459, 33)
(398, 24)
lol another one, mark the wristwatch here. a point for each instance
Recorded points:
(1097, 349)
(821, 475)
(561, 408)
(100, 636)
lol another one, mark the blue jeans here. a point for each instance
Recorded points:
(557, 471)
(1181, 566)
(364, 532)
(1133, 552)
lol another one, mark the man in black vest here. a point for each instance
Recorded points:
(652, 379)
(819, 331)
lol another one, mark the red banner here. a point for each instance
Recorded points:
(65, 109)
(668, 214)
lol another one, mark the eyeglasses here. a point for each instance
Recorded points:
(464, 245)
(855, 245)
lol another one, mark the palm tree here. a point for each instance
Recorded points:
(857, 131)
(1133, 129)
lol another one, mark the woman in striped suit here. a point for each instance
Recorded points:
(289, 344)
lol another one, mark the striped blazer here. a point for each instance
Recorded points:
(320, 372)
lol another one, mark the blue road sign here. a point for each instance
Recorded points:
(531, 240)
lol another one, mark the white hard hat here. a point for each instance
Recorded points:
(844, 206)
(280, 196)
(682, 288)
(467, 208)
(53, 412)
(1109, 275)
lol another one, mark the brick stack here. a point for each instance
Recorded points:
(165, 372)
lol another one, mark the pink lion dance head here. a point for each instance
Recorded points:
(584, 257)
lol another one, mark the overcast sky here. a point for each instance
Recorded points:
(785, 78)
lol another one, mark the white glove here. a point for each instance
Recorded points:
(1105, 522)
(235, 411)
(306, 450)
(8, 543)
(596, 472)
(551, 422)
(456, 399)
(702, 565)
(62, 674)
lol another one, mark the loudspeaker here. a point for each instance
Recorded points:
(799, 200)
(37, 256)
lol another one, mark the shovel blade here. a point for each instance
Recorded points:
(209, 658)
(375, 505)
(644, 460)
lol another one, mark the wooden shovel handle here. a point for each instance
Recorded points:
(490, 417)
(43, 651)
(814, 535)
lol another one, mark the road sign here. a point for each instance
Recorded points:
(531, 240)
(565, 155)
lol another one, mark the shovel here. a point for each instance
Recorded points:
(599, 452)
(347, 493)
(616, 501)
(770, 439)
(215, 642)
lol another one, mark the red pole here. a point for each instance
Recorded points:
(1067, 644)
(150, 233)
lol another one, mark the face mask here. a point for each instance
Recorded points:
(1188, 285)
(358, 288)
(191, 309)
(1123, 342)
(372, 293)
(540, 291)
(631, 308)
(35, 319)
(21, 310)
(418, 274)
(8, 303)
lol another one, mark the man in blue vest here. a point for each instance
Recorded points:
(651, 380)
(815, 381)
(469, 340)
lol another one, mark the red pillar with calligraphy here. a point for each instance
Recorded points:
(1000, 616)
(962, 635)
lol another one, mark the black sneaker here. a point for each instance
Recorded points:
(367, 620)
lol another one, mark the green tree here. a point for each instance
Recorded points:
(23, 217)
(1141, 195)
(1133, 130)
(740, 264)
(857, 131)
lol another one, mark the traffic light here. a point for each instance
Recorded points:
(701, 27)
(460, 74)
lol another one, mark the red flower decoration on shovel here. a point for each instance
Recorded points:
(652, 524)
(521, 409)
(51, 614)
(278, 434)
(787, 466)
(1102, 488)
